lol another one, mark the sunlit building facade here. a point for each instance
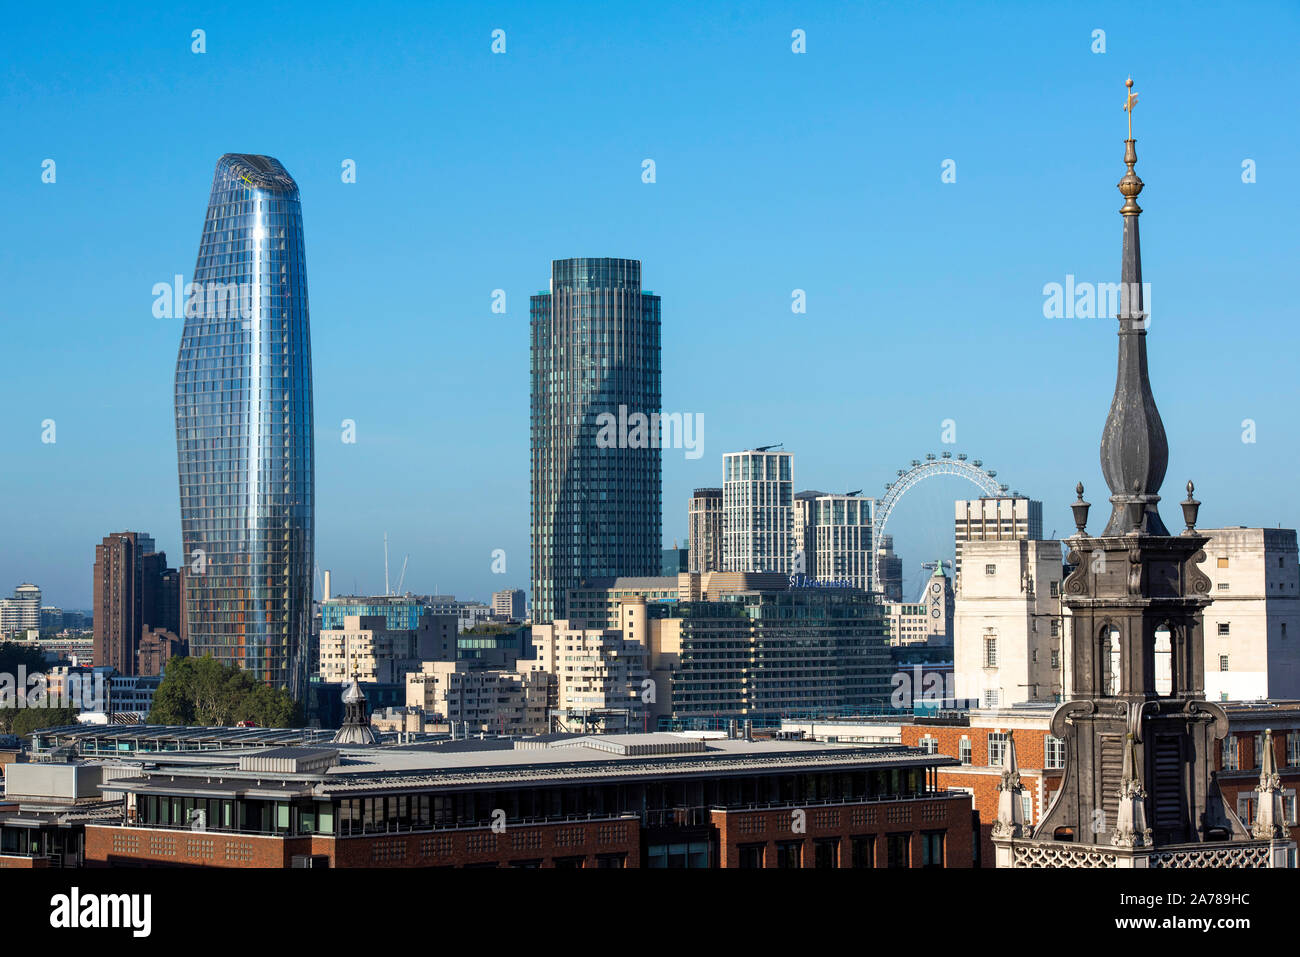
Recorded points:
(244, 428)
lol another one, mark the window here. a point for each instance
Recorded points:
(1111, 662)
(614, 861)
(863, 849)
(826, 853)
(1223, 586)
(1230, 753)
(991, 698)
(990, 569)
(1056, 659)
(751, 855)
(678, 854)
(1289, 807)
(1027, 806)
(1054, 589)
(932, 849)
(990, 651)
(1293, 749)
(1259, 749)
(997, 748)
(1164, 661)
(898, 850)
(1223, 563)
(963, 750)
(930, 745)
(1246, 807)
(1223, 662)
(1054, 750)
(1056, 628)
(1223, 628)
(789, 854)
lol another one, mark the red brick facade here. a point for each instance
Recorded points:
(589, 842)
(840, 823)
(117, 846)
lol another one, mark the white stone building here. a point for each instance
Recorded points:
(1252, 630)
(1007, 636)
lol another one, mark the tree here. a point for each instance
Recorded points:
(203, 691)
(24, 721)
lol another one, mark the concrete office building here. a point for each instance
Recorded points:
(1252, 630)
(704, 526)
(1008, 629)
(365, 647)
(746, 645)
(595, 497)
(508, 604)
(758, 511)
(598, 675)
(489, 700)
(994, 519)
(844, 547)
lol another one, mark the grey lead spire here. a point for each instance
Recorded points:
(1134, 451)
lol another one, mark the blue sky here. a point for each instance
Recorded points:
(775, 171)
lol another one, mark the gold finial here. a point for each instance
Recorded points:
(1130, 101)
(1130, 185)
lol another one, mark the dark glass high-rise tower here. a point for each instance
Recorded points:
(244, 428)
(595, 494)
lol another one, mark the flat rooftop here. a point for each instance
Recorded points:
(475, 763)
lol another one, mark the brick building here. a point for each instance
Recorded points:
(655, 800)
(977, 740)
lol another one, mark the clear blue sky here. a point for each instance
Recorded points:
(775, 171)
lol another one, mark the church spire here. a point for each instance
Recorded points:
(1134, 451)
(1270, 814)
(1011, 810)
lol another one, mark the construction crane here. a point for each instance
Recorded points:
(768, 448)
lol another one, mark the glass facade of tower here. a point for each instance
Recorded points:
(244, 428)
(596, 507)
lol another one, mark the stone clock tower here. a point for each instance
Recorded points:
(1139, 787)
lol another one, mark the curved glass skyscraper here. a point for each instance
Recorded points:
(595, 488)
(244, 428)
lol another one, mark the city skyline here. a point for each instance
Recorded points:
(438, 397)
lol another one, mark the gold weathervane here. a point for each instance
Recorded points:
(1130, 101)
